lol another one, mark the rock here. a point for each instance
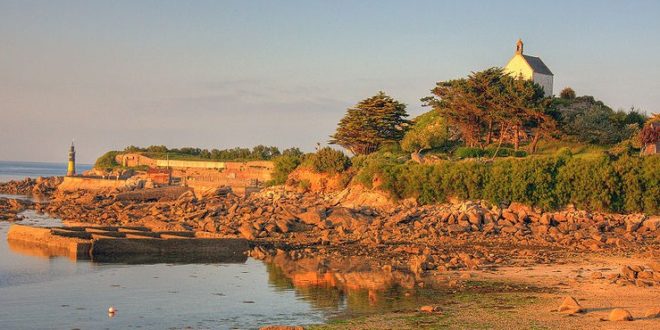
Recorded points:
(247, 231)
(596, 275)
(570, 306)
(311, 217)
(546, 219)
(457, 228)
(628, 272)
(619, 314)
(283, 225)
(645, 275)
(474, 218)
(430, 309)
(418, 264)
(510, 216)
(652, 313)
(652, 223)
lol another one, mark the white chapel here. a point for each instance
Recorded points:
(530, 67)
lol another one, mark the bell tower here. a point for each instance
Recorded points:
(71, 167)
(519, 47)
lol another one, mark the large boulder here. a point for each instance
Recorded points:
(570, 306)
(619, 314)
(312, 216)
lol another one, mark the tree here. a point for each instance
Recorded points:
(428, 131)
(490, 102)
(567, 93)
(372, 122)
(587, 120)
(528, 109)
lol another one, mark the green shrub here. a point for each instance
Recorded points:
(284, 165)
(327, 160)
(467, 152)
(107, 161)
(626, 184)
(519, 153)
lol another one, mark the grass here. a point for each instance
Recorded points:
(578, 149)
(464, 310)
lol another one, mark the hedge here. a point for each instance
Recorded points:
(606, 183)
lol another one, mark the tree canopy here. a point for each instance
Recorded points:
(371, 123)
(489, 103)
(587, 120)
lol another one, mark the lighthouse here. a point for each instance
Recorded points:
(71, 168)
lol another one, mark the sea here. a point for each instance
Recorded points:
(42, 289)
(11, 170)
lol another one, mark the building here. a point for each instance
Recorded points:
(531, 68)
(71, 167)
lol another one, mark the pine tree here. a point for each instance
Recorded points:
(372, 122)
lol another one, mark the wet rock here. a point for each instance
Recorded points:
(620, 314)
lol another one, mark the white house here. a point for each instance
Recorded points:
(530, 67)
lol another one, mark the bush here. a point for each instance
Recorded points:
(107, 161)
(467, 152)
(327, 160)
(626, 184)
(284, 165)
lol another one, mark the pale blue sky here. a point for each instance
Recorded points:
(239, 73)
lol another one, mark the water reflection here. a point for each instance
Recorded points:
(353, 286)
(37, 283)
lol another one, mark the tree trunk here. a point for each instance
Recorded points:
(489, 136)
(532, 146)
(499, 144)
(516, 138)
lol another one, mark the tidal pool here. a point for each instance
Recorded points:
(41, 290)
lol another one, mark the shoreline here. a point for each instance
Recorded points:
(462, 244)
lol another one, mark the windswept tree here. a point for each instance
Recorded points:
(491, 102)
(529, 108)
(371, 123)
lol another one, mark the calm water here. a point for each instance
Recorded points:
(10, 170)
(47, 292)
(40, 290)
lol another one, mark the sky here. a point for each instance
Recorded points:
(222, 74)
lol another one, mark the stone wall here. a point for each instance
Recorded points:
(72, 183)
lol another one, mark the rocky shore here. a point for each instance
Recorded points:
(458, 235)
(403, 243)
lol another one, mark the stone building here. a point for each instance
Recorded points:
(530, 67)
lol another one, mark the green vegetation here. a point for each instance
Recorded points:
(491, 105)
(107, 161)
(259, 152)
(429, 131)
(605, 182)
(371, 123)
(327, 160)
(567, 93)
(284, 165)
(584, 119)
